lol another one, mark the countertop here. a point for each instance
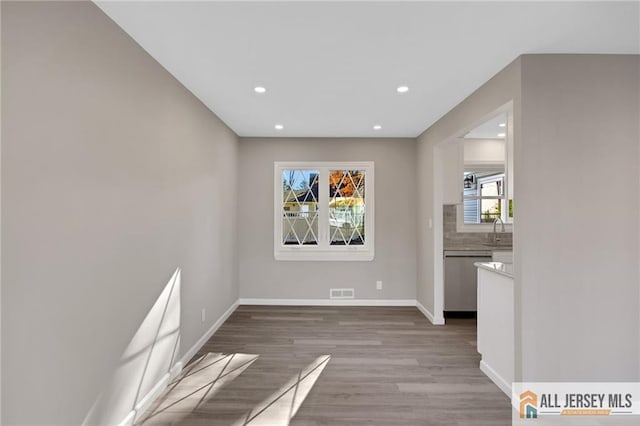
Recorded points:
(478, 247)
(505, 269)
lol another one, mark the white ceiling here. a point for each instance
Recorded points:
(494, 128)
(332, 68)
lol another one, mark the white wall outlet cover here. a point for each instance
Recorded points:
(379, 285)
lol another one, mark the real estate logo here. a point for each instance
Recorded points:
(528, 405)
(568, 400)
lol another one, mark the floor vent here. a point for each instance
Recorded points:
(341, 293)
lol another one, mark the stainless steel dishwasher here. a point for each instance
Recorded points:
(460, 279)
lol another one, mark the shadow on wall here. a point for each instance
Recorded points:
(145, 365)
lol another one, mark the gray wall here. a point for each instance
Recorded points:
(578, 268)
(502, 88)
(113, 175)
(260, 276)
(576, 271)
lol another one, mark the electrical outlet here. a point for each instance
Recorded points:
(379, 285)
(203, 314)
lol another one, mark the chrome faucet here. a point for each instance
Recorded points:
(495, 234)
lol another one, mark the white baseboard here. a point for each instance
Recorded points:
(329, 302)
(344, 302)
(206, 336)
(429, 315)
(496, 378)
(128, 421)
(175, 370)
(146, 401)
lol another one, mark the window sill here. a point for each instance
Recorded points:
(483, 227)
(342, 254)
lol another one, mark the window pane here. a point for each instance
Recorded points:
(490, 210)
(491, 189)
(346, 207)
(471, 207)
(300, 207)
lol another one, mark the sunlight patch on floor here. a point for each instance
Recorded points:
(281, 406)
(199, 383)
(186, 399)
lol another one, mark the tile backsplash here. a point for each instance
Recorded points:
(454, 239)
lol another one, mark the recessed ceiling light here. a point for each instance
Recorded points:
(402, 89)
(502, 125)
(502, 135)
(377, 127)
(279, 126)
(259, 89)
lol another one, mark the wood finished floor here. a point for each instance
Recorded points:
(389, 366)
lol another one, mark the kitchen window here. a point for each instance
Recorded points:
(484, 199)
(323, 211)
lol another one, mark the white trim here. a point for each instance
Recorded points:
(496, 378)
(206, 336)
(128, 421)
(149, 398)
(175, 370)
(328, 302)
(429, 315)
(351, 302)
(323, 251)
(438, 233)
(338, 254)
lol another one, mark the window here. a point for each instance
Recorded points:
(323, 211)
(485, 167)
(484, 198)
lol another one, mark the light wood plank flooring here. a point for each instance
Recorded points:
(388, 366)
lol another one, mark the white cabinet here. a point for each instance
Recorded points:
(495, 327)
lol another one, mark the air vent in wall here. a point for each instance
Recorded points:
(341, 293)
